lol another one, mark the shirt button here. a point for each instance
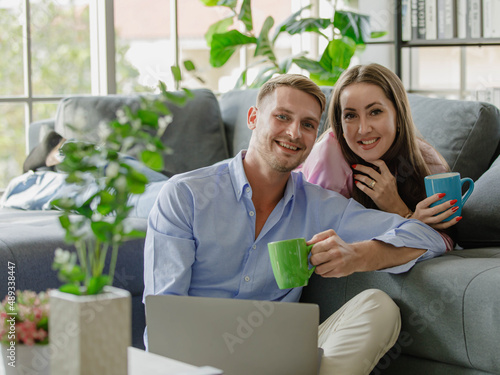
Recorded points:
(247, 190)
(247, 278)
(251, 213)
(254, 247)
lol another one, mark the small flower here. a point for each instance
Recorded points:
(121, 183)
(31, 322)
(62, 256)
(112, 169)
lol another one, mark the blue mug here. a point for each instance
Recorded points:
(450, 184)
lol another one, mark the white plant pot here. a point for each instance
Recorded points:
(21, 359)
(89, 335)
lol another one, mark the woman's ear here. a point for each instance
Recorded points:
(252, 118)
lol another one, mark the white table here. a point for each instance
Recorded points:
(141, 362)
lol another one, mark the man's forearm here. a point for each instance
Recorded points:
(378, 255)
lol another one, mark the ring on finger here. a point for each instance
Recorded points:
(372, 184)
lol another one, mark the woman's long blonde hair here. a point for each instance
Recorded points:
(403, 158)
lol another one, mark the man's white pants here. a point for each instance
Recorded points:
(356, 336)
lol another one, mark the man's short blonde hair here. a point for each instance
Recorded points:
(296, 81)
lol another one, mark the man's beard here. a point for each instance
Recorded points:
(280, 166)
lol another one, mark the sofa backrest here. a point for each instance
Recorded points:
(196, 134)
(466, 133)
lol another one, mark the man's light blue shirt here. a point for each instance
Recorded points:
(201, 233)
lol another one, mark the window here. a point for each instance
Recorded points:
(152, 50)
(46, 56)
(62, 47)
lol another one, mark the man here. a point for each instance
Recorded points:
(209, 229)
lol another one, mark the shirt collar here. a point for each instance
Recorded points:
(238, 176)
(240, 181)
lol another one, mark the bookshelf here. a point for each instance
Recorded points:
(412, 34)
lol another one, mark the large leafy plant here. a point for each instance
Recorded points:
(349, 32)
(98, 225)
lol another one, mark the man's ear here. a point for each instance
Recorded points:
(252, 118)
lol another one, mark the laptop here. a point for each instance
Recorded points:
(240, 337)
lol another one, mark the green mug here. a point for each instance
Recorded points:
(289, 259)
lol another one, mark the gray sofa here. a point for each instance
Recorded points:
(450, 305)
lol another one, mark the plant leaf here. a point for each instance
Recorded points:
(246, 14)
(284, 66)
(152, 160)
(189, 65)
(312, 66)
(333, 62)
(136, 181)
(308, 25)
(338, 53)
(217, 28)
(226, 3)
(264, 47)
(70, 288)
(263, 76)
(148, 117)
(210, 3)
(176, 72)
(377, 34)
(96, 284)
(242, 79)
(353, 25)
(287, 22)
(102, 230)
(224, 45)
(133, 234)
(175, 98)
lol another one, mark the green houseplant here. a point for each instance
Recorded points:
(349, 31)
(98, 225)
(90, 319)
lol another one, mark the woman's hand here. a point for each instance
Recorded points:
(380, 187)
(434, 216)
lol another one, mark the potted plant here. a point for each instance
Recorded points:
(91, 320)
(348, 33)
(24, 319)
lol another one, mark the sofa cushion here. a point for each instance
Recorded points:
(466, 133)
(196, 134)
(449, 307)
(480, 225)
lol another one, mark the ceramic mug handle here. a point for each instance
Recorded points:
(311, 270)
(469, 191)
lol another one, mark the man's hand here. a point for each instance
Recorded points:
(332, 256)
(335, 258)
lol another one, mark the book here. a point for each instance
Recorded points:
(406, 20)
(440, 19)
(491, 17)
(461, 18)
(421, 33)
(474, 19)
(414, 19)
(450, 21)
(431, 22)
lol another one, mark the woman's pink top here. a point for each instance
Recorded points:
(326, 167)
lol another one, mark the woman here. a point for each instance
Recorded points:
(372, 152)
